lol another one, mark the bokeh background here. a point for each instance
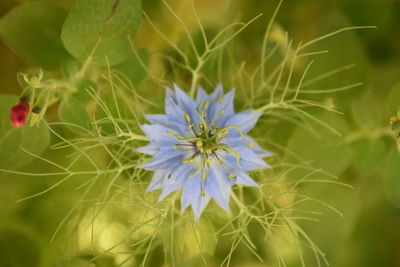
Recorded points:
(368, 235)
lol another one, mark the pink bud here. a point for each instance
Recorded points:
(19, 113)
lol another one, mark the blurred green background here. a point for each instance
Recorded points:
(366, 157)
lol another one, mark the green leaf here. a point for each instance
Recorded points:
(392, 176)
(101, 27)
(33, 139)
(366, 114)
(73, 111)
(33, 31)
(368, 155)
(395, 125)
(394, 100)
(132, 69)
(85, 88)
(75, 263)
(69, 68)
(326, 150)
(331, 231)
(18, 250)
(344, 49)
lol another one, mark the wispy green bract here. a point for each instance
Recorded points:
(202, 147)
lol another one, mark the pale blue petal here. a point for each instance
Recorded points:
(244, 179)
(218, 187)
(160, 162)
(249, 160)
(199, 205)
(176, 118)
(225, 103)
(201, 96)
(261, 152)
(238, 142)
(184, 101)
(157, 133)
(157, 119)
(218, 93)
(245, 120)
(190, 192)
(149, 149)
(169, 93)
(192, 196)
(156, 181)
(175, 180)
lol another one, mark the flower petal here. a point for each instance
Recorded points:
(201, 95)
(149, 149)
(245, 120)
(175, 180)
(238, 142)
(192, 196)
(156, 181)
(218, 187)
(244, 179)
(249, 160)
(218, 93)
(161, 162)
(225, 104)
(157, 119)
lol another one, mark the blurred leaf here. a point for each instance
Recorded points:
(344, 49)
(75, 263)
(33, 31)
(85, 88)
(132, 68)
(331, 230)
(198, 239)
(32, 139)
(392, 176)
(366, 114)
(102, 26)
(18, 250)
(327, 151)
(394, 100)
(368, 154)
(73, 111)
(69, 68)
(395, 125)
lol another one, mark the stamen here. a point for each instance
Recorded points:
(185, 161)
(202, 118)
(201, 168)
(179, 138)
(187, 117)
(230, 149)
(232, 176)
(252, 144)
(237, 128)
(219, 115)
(177, 146)
(206, 105)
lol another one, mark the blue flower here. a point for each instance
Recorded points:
(201, 146)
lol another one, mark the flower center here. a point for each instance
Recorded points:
(207, 142)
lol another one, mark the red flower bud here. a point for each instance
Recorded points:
(19, 113)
